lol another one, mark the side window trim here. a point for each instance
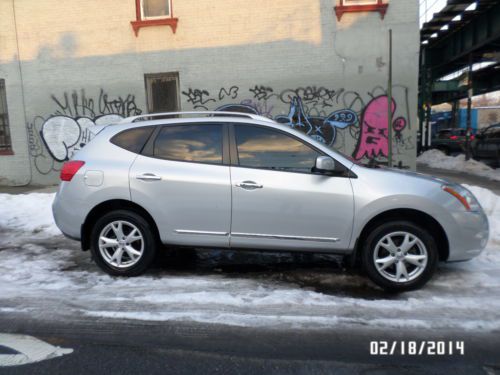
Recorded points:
(235, 159)
(148, 149)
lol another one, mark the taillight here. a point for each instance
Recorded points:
(453, 137)
(472, 137)
(70, 168)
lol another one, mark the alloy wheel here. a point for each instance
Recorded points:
(400, 256)
(121, 244)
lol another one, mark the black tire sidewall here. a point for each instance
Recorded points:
(394, 226)
(150, 243)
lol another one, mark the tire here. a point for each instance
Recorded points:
(136, 253)
(420, 261)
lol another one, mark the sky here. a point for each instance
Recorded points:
(428, 8)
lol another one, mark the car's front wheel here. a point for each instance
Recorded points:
(122, 243)
(400, 256)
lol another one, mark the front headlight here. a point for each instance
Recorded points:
(464, 196)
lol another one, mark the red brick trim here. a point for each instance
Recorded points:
(138, 23)
(6, 152)
(379, 7)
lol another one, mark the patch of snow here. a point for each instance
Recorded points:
(47, 275)
(490, 202)
(28, 212)
(437, 159)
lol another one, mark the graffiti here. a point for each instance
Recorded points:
(232, 93)
(322, 129)
(373, 140)
(78, 104)
(312, 95)
(262, 92)
(263, 108)
(198, 98)
(72, 125)
(331, 116)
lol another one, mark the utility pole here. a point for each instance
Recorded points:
(469, 110)
(389, 105)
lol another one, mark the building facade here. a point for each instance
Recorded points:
(66, 66)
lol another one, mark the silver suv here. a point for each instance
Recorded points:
(241, 181)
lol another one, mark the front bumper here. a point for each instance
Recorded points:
(467, 235)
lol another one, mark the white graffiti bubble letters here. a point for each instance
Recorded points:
(28, 350)
(63, 135)
(59, 133)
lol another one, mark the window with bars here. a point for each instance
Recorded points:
(5, 144)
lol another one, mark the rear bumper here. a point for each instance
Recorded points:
(67, 217)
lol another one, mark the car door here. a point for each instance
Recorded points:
(493, 143)
(278, 202)
(182, 179)
(482, 143)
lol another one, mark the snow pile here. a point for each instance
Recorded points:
(29, 213)
(490, 203)
(437, 159)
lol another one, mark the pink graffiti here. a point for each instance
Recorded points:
(372, 141)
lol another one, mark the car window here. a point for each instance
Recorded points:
(459, 132)
(494, 133)
(195, 143)
(444, 134)
(259, 147)
(133, 139)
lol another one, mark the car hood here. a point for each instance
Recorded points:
(394, 172)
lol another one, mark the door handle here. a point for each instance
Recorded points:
(249, 185)
(148, 177)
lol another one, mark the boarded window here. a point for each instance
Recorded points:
(162, 92)
(5, 145)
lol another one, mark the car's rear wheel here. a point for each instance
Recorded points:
(122, 243)
(400, 256)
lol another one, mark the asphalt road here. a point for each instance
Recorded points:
(130, 347)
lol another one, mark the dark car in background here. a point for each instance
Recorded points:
(450, 140)
(487, 144)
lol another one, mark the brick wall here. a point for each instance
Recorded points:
(82, 59)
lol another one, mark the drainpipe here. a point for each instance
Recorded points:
(469, 110)
(21, 78)
(389, 104)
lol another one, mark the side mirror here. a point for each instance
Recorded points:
(324, 164)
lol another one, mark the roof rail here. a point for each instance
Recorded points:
(196, 114)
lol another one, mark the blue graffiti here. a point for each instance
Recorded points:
(322, 129)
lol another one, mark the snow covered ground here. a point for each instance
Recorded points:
(437, 159)
(44, 275)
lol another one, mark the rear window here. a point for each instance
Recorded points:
(133, 140)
